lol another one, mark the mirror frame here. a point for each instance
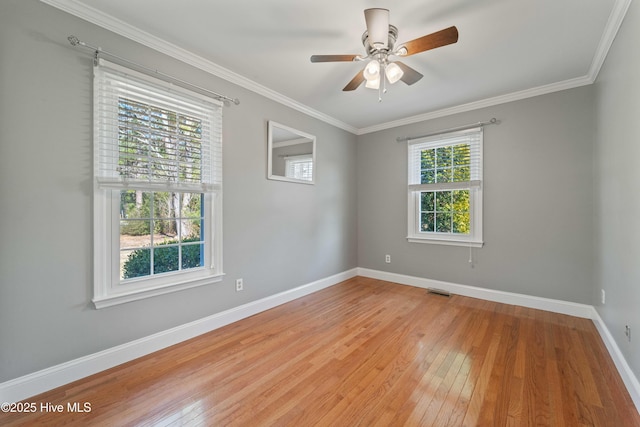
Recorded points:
(270, 147)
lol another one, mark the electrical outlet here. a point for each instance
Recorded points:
(239, 285)
(603, 296)
(387, 259)
(627, 332)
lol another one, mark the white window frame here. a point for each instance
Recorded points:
(474, 185)
(109, 290)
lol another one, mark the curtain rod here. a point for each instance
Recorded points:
(75, 41)
(493, 121)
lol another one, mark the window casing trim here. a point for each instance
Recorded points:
(108, 289)
(472, 240)
(474, 186)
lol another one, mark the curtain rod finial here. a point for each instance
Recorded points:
(73, 40)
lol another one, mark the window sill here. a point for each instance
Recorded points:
(465, 243)
(138, 294)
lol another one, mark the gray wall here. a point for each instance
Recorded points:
(538, 201)
(560, 191)
(277, 235)
(618, 188)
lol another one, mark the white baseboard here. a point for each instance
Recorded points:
(556, 306)
(630, 380)
(64, 373)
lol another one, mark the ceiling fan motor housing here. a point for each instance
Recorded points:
(379, 41)
(371, 51)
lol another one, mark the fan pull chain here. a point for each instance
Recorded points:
(383, 76)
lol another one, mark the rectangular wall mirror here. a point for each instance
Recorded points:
(291, 154)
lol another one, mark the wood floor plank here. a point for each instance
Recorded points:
(363, 353)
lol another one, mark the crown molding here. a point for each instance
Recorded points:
(489, 102)
(611, 30)
(616, 17)
(80, 10)
(121, 28)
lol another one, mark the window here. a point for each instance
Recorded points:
(299, 167)
(158, 187)
(445, 189)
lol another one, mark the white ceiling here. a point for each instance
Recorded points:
(507, 49)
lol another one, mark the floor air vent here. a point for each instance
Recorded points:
(438, 292)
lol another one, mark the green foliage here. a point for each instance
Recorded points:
(137, 264)
(135, 209)
(445, 211)
(445, 164)
(165, 259)
(134, 228)
(138, 207)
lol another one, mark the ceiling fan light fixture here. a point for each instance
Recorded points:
(379, 42)
(373, 83)
(393, 72)
(372, 70)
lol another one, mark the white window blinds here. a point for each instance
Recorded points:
(445, 188)
(299, 167)
(150, 134)
(449, 161)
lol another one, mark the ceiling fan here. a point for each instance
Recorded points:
(379, 43)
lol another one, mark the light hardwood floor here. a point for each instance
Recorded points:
(365, 352)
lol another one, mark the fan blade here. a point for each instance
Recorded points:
(333, 58)
(409, 76)
(428, 42)
(377, 27)
(355, 82)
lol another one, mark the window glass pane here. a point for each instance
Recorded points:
(165, 259)
(165, 231)
(462, 174)
(443, 201)
(164, 205)
(427, 201)
(135, 263)
(190, 230)
(461, 155)
(428, 159)
(444, 156)
(427, 222)
(191, 205)
(443, 222)
(170, 222)
(461, 200)
(461, 216)
(461, 223)
(134, 204)
(428, 176)
(444, 175)
(192, 256)
(135, 233)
